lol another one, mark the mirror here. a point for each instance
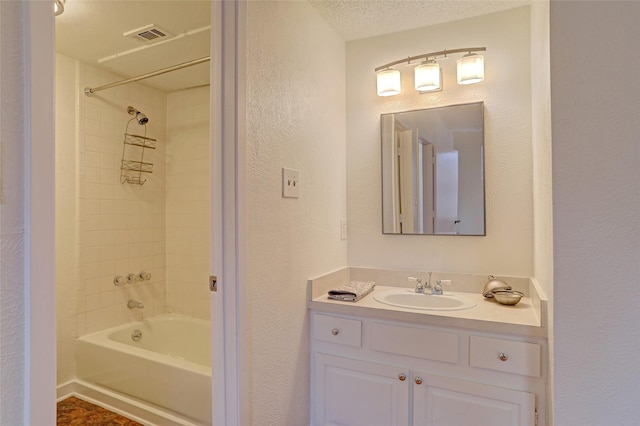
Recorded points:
(433, 171)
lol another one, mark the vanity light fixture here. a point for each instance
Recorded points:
(470, 69)
(58, 7)
(388, 82)
(428, 75)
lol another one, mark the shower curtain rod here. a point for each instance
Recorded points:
(89, 91)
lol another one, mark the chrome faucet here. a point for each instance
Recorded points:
(419, 286)
(429, 283)
(132, 304)
(437, 289)
(422, 287)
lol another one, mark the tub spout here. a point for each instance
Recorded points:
(135, 304)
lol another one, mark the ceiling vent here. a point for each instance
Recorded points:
(148, 33)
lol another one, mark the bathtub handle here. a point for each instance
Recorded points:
(144, 276)
(134, 304)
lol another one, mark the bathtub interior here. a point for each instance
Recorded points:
(193, 346)
(169, 367)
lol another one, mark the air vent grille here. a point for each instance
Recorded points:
(151, 34)
(147, 33)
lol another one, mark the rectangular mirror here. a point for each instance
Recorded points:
(433, 171)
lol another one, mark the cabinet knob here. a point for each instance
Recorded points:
(503, 356)
(418, 381)
(402, 377)
(335, 331)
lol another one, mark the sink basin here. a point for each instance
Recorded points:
(410, 299)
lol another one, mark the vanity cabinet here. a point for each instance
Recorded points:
(372, 372)
(354, 392)
(442, 401)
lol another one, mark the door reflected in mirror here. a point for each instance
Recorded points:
(433, 171)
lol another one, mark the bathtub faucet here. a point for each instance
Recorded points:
(135, 304)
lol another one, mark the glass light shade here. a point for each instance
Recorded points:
(58, 7)
(388, 82)
(427, 76)
(470, 69)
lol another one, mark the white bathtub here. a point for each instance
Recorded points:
(168, 367)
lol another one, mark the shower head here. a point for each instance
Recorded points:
(140, 117)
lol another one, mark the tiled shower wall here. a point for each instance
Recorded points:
(121, 227)
(105, 228)
(187, 198)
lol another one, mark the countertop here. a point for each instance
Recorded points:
(488, 315)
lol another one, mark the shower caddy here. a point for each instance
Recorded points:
(134, 146)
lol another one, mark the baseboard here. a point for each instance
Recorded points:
(129, 407)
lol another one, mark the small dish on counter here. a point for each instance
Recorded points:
(507, 297)
(492, 285)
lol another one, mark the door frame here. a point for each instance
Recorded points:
(228, 214)
(230, 384)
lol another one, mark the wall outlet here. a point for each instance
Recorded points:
(290, 183)
(343, 229)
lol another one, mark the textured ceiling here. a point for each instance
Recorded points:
(91, 30)
(356, 19)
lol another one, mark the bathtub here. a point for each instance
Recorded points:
(168, 366)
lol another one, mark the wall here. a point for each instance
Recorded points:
(103, 227)
(542, 186)
(12, 238)
(67, 204)
(506, 91)
(296, 119)
(596, 200)
(187, 202)
(121, 225)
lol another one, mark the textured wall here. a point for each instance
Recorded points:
(67, 203)
(12, 317)
(296, 119)
(541, 143)
(506, 91)
(596, 205)
(187, 202)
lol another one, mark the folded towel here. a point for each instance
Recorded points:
(353, 291)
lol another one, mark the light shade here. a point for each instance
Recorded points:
(470, 69)
(427, 77)
(388, 82)
(58, 7)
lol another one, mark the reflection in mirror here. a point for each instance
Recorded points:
(433, 171)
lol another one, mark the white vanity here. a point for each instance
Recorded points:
(376, 364)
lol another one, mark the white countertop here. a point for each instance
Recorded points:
(487, 315)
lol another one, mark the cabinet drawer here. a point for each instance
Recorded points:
(343, 331)
(418, 342)
(505, 355)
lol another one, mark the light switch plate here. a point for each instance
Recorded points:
(290, 183)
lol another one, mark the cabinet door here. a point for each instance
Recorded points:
(349, 392)
(441, 401)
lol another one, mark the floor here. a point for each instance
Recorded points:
(76, 412)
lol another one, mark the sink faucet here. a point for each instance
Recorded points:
(422, 287)
(437, 289)
(135, 304)
(429, 282)
(419, 286)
